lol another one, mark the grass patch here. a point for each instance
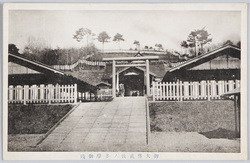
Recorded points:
(23, 142)
(191, 116)
(34, 119)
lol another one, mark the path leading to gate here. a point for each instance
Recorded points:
(101, 126)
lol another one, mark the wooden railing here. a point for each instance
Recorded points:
(104, 93)
(42, 94)
(203, 90)
(71, 67)
(101, 95)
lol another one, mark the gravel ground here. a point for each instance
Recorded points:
(160, 142)
(191, 142)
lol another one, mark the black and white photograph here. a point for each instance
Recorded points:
(125, 81)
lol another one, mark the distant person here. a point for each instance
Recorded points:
(121, 90)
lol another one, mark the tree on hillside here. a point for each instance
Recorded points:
(118, 38)
(34, 45)
(34, 48)
(49, 56)
(13, 48)
(159, 46)
(238, 44)
(228, 42)
(103, 37)
(184, 44)
(197, 39)
(137, 44)
(83, 32)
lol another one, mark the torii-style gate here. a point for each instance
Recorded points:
(145, 64)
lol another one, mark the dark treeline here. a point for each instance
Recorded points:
(58, 56)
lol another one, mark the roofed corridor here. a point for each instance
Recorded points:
(100, 126)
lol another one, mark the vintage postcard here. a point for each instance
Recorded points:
(142, 81)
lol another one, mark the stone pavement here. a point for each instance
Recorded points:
(101, 126)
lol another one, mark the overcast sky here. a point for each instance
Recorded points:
(149, 27)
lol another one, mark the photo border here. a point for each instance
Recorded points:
(132, 6)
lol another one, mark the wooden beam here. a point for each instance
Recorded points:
(131, 58)
(113, 80)
(130, 65)
(147, 77)
(117, 81)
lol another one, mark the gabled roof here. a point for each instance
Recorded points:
(138, 55)
(140, 68)
(196, 59)
(157, 69)
(41, 67)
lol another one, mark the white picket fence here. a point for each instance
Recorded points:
(71, 67)
(42, 94)
(104, 93)
(203, 90)
(101, 94)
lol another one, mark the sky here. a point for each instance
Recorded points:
(168, 28)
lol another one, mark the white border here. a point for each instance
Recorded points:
(125, 6)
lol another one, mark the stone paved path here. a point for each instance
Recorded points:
(101, 126)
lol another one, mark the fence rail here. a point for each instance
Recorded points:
(74, 65)
(42, 94)
(203, 90)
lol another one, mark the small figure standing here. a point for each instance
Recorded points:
(121, 90)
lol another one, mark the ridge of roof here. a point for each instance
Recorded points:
(140, 68)
(203, 56)
(103, 83)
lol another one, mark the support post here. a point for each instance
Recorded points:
(113, 79)
(153, 91)
(147, 78)
(117, 81)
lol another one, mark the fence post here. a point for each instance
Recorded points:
(153, 91)
(42, 92)
(25, 93)
(177, 90)
(186, 90)
(180, 90)
(160, 90)
(10, 93)
(203, 89)
(167, 92)
(49, 93)
(164, 90)
(75, 93)
(237, 83)
(208, 91)
(230, 85)
(19, 93)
